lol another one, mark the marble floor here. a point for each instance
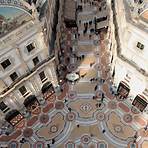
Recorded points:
(79, 117)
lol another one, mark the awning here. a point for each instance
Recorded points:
(11, 114)
(46, 87)
(30, 100)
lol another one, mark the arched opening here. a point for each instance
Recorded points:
(31, 103)
(13, 117)
(47, 90)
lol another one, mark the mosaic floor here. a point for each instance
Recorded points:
(79, 118)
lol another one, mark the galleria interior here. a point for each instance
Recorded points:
(73, 73)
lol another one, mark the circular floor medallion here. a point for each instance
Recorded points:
(44, 118)
(28, 132)
(59, 105)
(53, 129)
(100, 116)
(127, 118)
(99, 94)
(72, 94)
(71, 116)
(85, 139)
(118, 128)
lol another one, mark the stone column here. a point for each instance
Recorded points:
(53, 75)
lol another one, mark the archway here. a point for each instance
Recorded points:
(47, 90)
(13, 117)
(31, 103)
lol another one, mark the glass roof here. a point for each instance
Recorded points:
(11, 18)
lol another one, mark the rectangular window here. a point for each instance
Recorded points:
(30, 47)
(3, 106)
(140, 46)
(6, 63)
(23, 90)
(42, 75)
(35, 61)
(14, 76)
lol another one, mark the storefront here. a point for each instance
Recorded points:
(123, 90)
(31, 103)
(47, 90)
(140, 102)
(13, 117)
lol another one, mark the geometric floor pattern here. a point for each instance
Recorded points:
(79, 118)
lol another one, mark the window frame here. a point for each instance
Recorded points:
(23, 87)
(3, 64)
(30, 50)
(3, 106)
(40, 75)
(12, 74)
(35, 61)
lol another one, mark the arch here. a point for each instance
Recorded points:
(19, 8)
(11, 115)
(46, 87)
(30, 100)
(12, 17)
